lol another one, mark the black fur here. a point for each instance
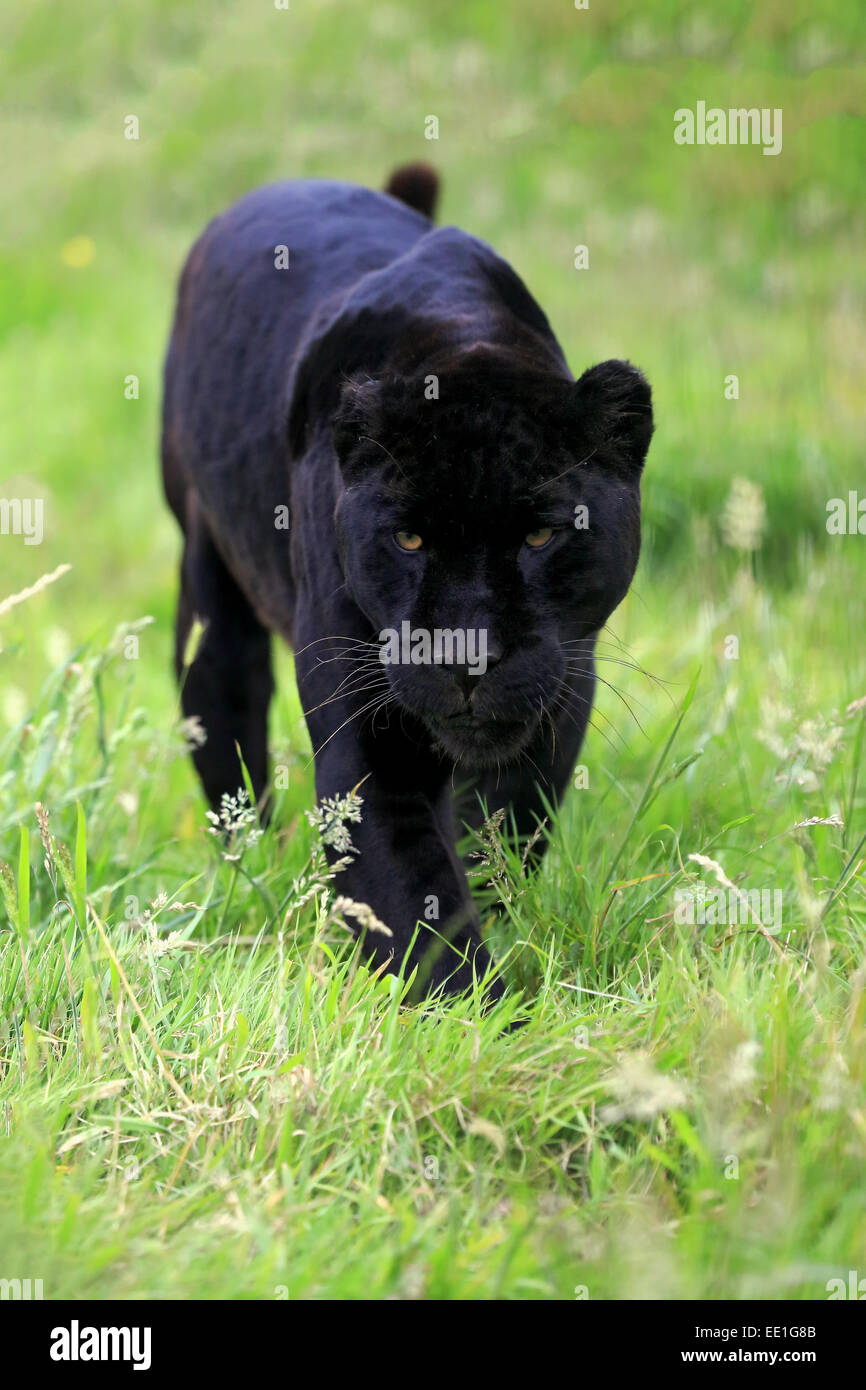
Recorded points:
(394, 377)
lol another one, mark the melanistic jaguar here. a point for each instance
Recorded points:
(374, 448)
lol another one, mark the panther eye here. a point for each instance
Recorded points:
(408, 540)
(536, 540)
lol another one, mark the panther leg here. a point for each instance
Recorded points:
(229, 684)
(538, 778)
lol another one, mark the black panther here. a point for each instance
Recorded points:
(367, 423)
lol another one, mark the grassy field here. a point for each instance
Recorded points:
(202, 1094)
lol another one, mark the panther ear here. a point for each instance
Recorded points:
(615, 405)
(355, 419)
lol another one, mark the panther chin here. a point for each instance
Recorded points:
(480, 743)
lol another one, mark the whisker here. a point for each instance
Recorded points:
(583, 672)
(580, 464)
(343, 695)
(620, 661)
(355, 641)
(560, 705)
(357, 714)
(379, 445)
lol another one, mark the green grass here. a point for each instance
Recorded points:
(203, 1093)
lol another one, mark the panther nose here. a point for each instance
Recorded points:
(468, 676)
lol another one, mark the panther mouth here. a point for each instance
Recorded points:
(480, 743)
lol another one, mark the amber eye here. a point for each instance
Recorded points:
(537, 539)
(408, 540)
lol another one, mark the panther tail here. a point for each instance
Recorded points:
(416, 185)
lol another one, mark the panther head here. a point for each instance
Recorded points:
(498, 506)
